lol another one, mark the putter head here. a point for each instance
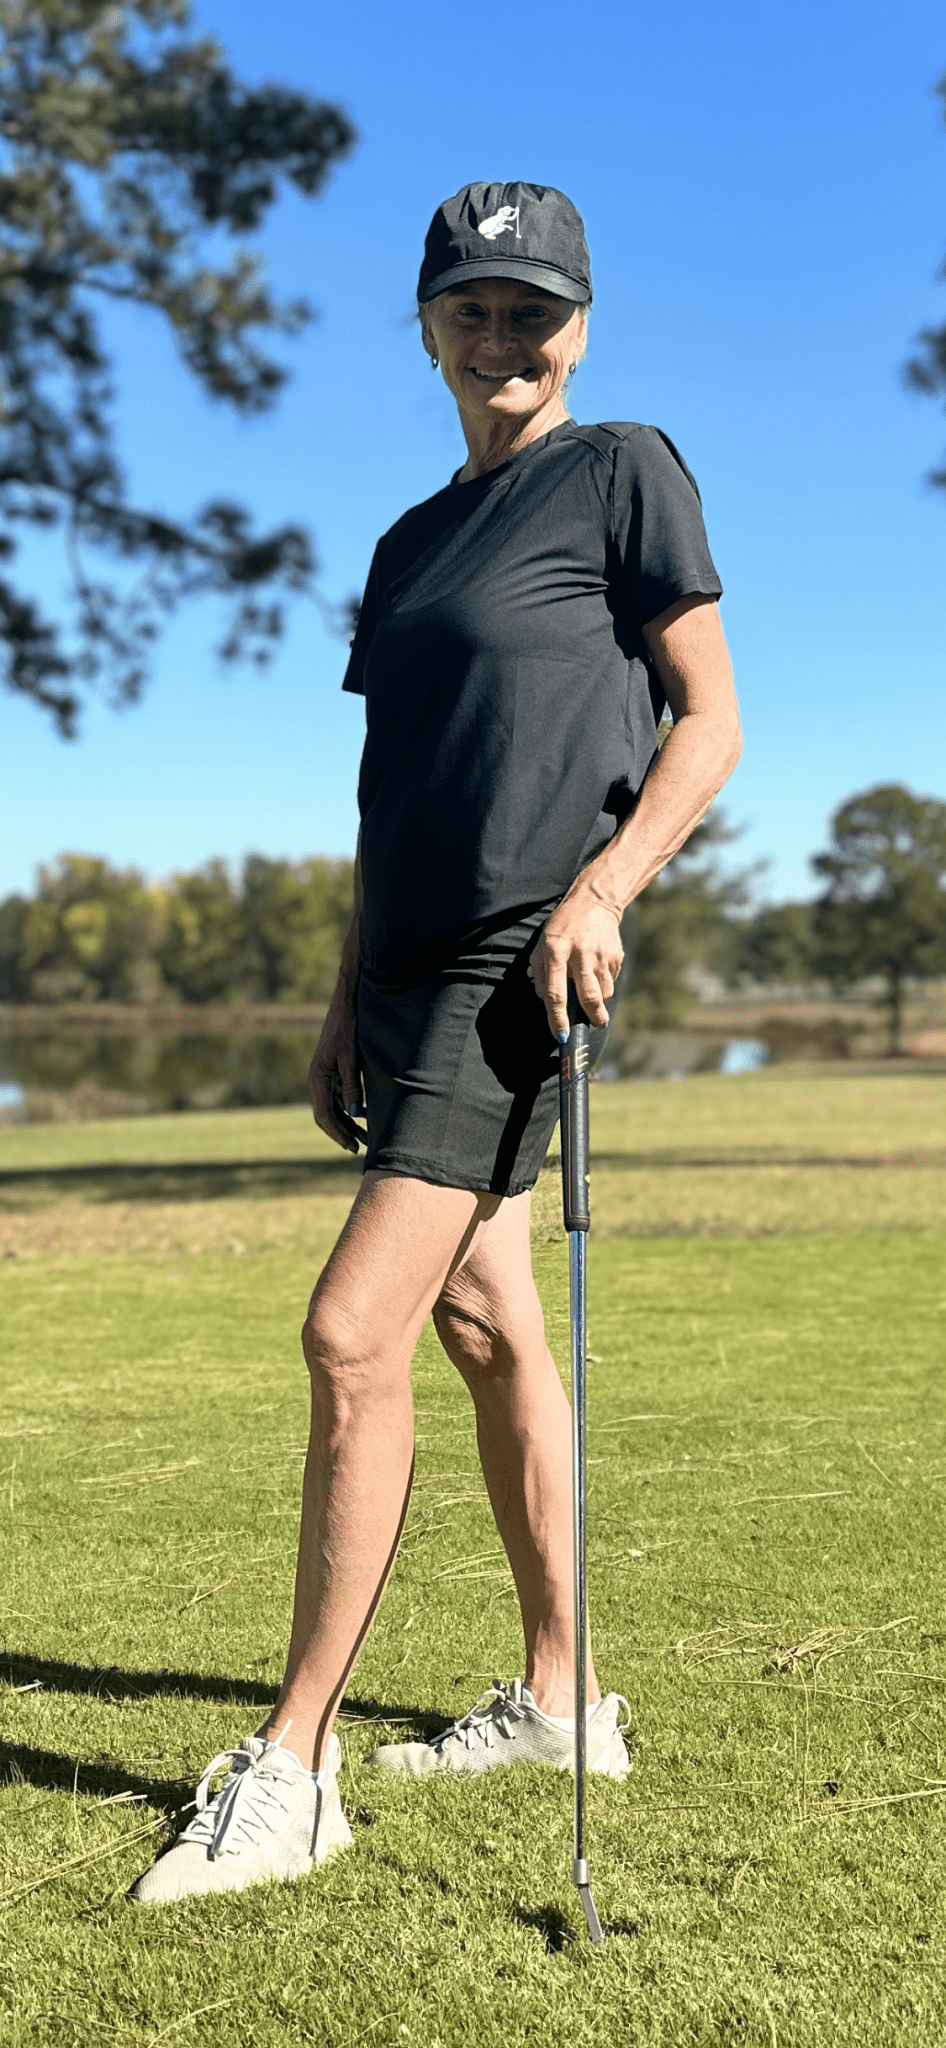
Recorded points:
(595, 1928)
(582, 1880)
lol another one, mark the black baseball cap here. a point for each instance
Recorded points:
(530, 232)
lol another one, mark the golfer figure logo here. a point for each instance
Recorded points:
(500, 223)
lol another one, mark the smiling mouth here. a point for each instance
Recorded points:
(502, 376)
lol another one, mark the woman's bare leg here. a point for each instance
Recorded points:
(401, 1242)
(489, 1320)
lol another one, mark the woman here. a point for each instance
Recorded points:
(519, 635)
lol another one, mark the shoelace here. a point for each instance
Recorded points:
(240, 1806)
(483, 1721)
(500, 1712)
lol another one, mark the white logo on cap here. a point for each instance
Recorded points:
(499, 223)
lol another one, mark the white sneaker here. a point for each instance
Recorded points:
(270, 1819)
(508, 1728)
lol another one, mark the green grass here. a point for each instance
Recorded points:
(767, 1483)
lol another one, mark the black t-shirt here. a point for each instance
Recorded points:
(510, 699)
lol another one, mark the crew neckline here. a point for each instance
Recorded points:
(502, 469)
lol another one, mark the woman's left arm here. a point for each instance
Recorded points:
(581, 941)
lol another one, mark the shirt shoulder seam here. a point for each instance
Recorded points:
(620, 430)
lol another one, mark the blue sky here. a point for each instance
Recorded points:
(765, 197)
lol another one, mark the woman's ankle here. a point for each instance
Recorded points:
(307, 1742)
(558, 1700)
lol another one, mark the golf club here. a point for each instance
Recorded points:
(573, 1089)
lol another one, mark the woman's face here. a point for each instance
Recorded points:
(505, 348)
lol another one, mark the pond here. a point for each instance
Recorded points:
(47, 1073)
(82, 1072)
(743, 1056)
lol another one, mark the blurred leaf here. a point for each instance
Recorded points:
(125, 146)
(926, 371)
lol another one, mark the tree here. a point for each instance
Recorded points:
(14, 981)
(883, 911)
(199, 950)
(86, 935)
(125, 147)
(926, 372)
(681, 919)
(295, 917)
(94, 932)
(778, 944)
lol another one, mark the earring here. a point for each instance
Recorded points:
(572, 367)
(435, 362)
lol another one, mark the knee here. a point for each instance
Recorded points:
(481, 1341)
(471, 1342)
(341, 1359)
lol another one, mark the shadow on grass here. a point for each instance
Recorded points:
(559, 1934)
(205, 1180)
(47, 1769)
(710, 1161)
(108, 1682)
(20, 1763)
(189, 1180)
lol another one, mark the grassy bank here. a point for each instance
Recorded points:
(768, 1461)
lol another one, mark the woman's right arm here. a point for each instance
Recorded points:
(335, 1073)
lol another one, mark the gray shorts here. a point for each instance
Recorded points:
(460, 1067)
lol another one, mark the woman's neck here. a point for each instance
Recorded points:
(491, 442)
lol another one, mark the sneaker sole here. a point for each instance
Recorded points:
(171, 1887)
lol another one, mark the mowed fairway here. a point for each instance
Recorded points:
(767, 1493)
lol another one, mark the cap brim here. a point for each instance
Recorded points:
(556, 281)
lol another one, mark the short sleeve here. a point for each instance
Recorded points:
(657, 527)
(354, 678)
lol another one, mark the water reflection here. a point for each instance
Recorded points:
(107, 1073)
(153, 1070)
(743, 1056)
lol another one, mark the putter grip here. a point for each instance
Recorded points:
(573, 1090)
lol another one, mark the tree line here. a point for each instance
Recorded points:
(92, 933)
(273, 933)
(880, 915)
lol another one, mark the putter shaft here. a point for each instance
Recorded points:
(577, 1288)
(574, 1108)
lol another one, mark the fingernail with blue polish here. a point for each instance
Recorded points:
(354, 1109)
(563, 1038)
